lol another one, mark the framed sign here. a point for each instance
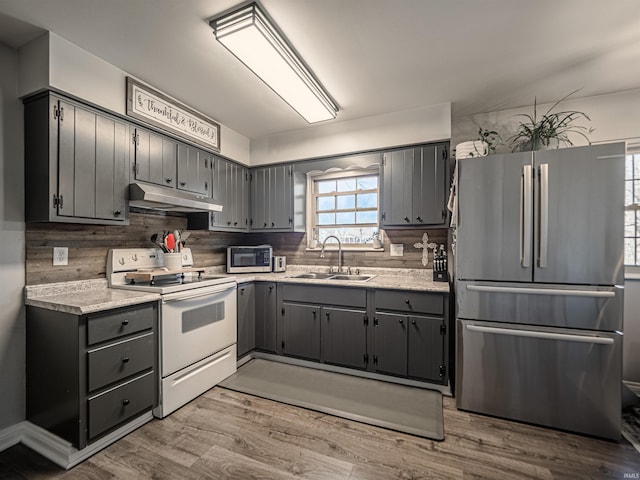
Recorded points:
(157, 109)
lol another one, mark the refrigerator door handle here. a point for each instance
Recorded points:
(526, 214)
(536, 334)
(544, 214)
(543, 291)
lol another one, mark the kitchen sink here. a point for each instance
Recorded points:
(352, 278)
(317, 276)
(334, 276)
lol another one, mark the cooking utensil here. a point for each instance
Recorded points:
(170, 242)
(183, 238)
(176, 237)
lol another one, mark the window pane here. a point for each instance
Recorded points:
(636, 164)
(367, 217)
(346, 185)
(628, 167)
(325, 186)
(628, 192)
(629, 251)
(326, 218)
(636, 191)
(326, 203)
(348, 235)
(345, 217)
(367, 200)
(367, 183)
(629, 223)
(346, 201)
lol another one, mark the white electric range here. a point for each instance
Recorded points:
(197, 325)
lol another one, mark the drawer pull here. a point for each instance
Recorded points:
(125, 402)
(125, 359)
(401, 321)
(406, 300)
(125, 322)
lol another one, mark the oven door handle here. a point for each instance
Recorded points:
(197, 293)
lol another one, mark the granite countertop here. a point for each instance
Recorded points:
(83, 296)
(90, 296)
(420, 280)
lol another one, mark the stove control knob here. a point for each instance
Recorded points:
(121, 261)
(134, 257)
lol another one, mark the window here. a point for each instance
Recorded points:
(632, 210)
(344, 204)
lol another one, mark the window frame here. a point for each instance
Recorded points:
(313, 177)
(633, 150)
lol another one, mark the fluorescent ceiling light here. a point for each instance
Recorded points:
(249, 35)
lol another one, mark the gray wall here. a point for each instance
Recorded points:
(12, 244)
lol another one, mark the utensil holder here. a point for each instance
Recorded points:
(172, 261)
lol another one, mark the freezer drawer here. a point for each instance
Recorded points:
(586, 308)
(560, 378)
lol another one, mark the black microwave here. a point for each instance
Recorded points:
(246, 259)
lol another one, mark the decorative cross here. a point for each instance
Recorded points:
(425, 245)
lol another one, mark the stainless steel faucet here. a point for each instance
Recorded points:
(339, 251)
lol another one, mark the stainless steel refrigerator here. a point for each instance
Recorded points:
(539, 287)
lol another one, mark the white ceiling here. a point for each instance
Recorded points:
(373, 56)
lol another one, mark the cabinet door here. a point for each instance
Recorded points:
(194, 170)
(218, 192)
(259, 199)
(246, 318)
(426, 348)
(429, 186)
(112, 162)
(397, 194)
(266, 318)
(301, 331)
(344, 337)
(281, 197)
(390, 343)
(155, 160)
(92, 165)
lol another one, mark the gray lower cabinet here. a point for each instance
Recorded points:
(90, 374)
(344, 337)
(246, 318)
(266, 316)
(76, 163)
(301, 330)
(410, 335)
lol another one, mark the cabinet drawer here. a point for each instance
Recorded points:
(114, 406)
(409, 301)
(114, 362)
(107, 326)
(342, 296)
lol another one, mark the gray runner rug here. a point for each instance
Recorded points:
(397, 407)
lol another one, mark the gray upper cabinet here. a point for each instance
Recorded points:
(194, 170)
(415, 187)
(155, 158)
(230, 188)
(272, 198)
(76, 163)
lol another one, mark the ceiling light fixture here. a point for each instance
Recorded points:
(252, 38)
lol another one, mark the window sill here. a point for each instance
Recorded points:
(346, 249)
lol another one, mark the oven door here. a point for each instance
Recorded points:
(196, 324)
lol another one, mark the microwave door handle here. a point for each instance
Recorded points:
(526, 216)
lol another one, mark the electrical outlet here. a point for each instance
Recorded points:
(61, 255)
(396, 250)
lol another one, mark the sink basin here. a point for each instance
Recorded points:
(352, 278)
(314, 275)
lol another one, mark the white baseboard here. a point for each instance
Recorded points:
(60, 451)
(11, 436)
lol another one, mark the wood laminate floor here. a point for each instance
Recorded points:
(224, 434)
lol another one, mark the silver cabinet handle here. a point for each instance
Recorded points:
(526, 216)
(542, 291)
(546, 335)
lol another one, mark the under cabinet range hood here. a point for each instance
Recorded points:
(143, 195)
